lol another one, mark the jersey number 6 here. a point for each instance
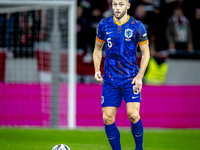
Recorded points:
(109, 42)
(136, 92)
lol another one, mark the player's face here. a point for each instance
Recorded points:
(120, 8)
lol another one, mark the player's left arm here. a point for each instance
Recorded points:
(143, 65)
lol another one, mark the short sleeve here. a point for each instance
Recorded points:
(141, 34)
(100, 35)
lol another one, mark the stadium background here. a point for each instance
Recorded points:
(171, 91)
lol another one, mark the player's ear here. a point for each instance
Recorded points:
(128, 5)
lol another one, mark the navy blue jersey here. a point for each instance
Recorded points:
(121, 41)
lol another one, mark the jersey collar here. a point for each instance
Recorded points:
(122, 23)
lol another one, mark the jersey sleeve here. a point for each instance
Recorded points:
(141, 34)
(100, 35)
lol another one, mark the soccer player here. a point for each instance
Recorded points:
(122, 77)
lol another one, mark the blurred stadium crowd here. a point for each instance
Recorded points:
(19, 31)
(171, 24)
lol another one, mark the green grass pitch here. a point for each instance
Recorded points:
(95, 139)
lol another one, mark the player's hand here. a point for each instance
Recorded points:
(138, 84)
(98, 76)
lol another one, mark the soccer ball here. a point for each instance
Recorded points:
(61, 147)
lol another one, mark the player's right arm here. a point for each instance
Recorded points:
(97, 56)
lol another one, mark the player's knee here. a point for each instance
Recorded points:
(108, 119)
(133, 117)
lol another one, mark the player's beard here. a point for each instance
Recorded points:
(121, 15)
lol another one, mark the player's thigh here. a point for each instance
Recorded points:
(109, 114)
(133, 109)
(111, 95)
(109, 111)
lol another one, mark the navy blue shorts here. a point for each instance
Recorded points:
(113, 92)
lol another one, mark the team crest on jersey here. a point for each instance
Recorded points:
(128, 33)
